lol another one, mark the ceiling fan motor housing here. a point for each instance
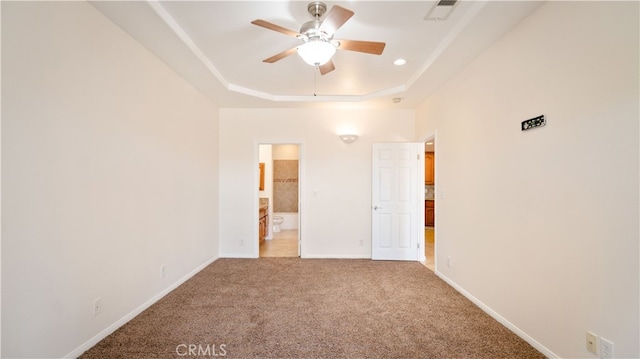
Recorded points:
(312, 29)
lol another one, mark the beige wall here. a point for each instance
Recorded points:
(335, 177)
(542, 226)
(109, 170)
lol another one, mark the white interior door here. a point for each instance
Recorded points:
(394, 201)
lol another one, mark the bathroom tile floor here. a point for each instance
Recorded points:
(283, 244)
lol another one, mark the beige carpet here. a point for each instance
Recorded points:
(313, 308)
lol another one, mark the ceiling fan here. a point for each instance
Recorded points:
(319, 45)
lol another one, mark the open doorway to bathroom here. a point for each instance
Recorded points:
(279, 199)
(429, 203)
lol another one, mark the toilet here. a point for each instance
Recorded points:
(277, 221)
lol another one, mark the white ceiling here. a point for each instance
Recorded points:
(214, 46)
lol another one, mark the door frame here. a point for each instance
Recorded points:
(301, 180)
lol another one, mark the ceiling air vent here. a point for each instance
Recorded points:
(441, 10)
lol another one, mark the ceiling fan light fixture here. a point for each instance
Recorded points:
(316, 52)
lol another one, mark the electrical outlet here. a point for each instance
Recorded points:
(242, 242)
(162, 271)
(449, 262)
(97, 306)
(361, 243)
(592, 343)
(606, 349)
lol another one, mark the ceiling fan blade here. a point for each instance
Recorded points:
(281, 55)
(335, 18)
(370, 47)
(274, 27)
(327, 67)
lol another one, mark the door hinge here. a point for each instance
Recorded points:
(418, 156)
(418, 245)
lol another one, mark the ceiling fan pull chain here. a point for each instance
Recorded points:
(315, 80)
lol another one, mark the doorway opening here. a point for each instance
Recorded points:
(429, 202)
(279, 193)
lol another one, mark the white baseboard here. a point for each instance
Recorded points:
(122, 321)
(517, 331)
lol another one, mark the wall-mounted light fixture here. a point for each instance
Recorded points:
(348, 138)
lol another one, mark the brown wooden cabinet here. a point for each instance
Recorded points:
(429, 160)
(263, 224)
(429, 213)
